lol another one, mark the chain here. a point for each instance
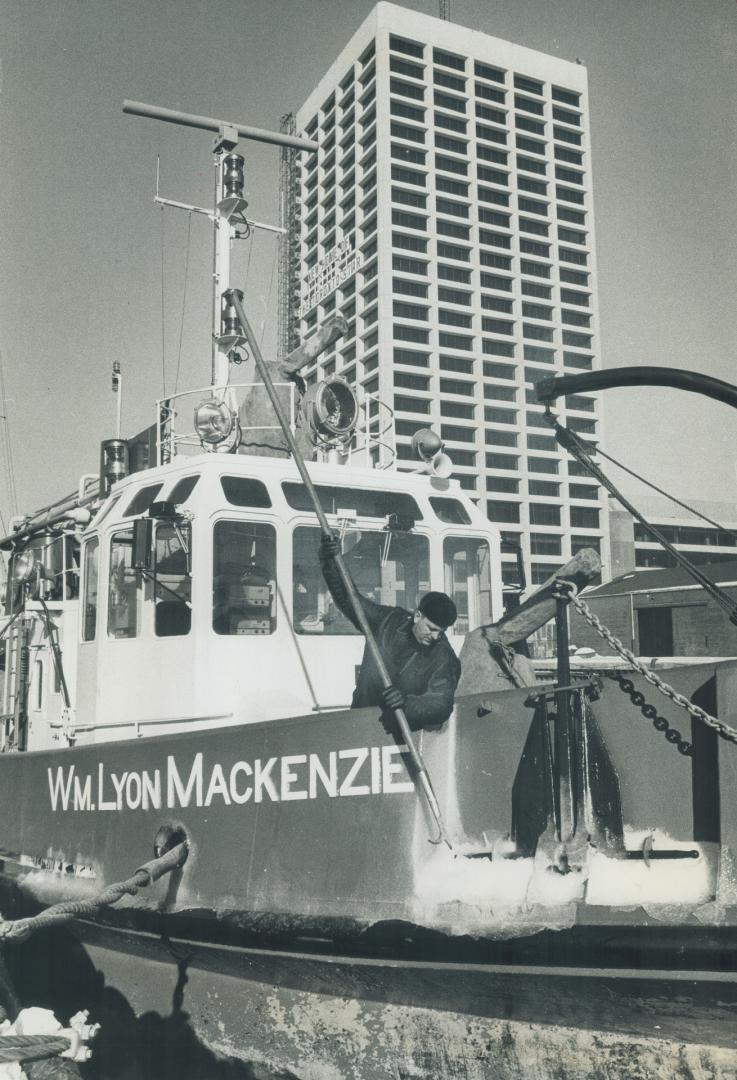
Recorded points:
(722, 729)
(637, 698)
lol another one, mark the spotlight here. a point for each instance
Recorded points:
(333, 411)
(216, 426)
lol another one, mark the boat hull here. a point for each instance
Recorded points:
(314, 821)
(173, 1007)
(314, 930)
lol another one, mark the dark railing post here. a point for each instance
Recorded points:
(564, 738)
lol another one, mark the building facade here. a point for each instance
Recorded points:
(449, 216)
(709, 539)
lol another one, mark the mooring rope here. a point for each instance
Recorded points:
(31, 1047)
(18, 930)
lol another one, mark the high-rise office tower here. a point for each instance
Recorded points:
(452, 199)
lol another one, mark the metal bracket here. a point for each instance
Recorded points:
(590, 687)
(225, 140)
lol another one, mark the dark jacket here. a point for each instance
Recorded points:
(427, 675)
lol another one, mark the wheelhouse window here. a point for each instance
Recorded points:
(451, 511)
(183, 489)
(142, 499)
(244, 491)
(173, 579)
(366, 502)
(244, 578)
(91, 576)
(71, 568)
(388, 567)
(123, 590)
(38, 679)
(467, 575)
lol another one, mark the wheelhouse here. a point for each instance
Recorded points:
(202, 600)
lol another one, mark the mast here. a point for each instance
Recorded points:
(227, 215)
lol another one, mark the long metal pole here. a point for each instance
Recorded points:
(210, 123)
(419, 764)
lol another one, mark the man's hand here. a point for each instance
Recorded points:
(393, 698)
(329, 547)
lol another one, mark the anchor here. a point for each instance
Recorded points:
(565, 795)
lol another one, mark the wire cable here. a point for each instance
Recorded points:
(248, 263)
(7, 445)
(667, 494)
(163, 324)
(576, 448)
(184, 301)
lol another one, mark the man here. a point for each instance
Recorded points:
(423, 668)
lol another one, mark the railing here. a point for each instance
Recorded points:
(176, 436)
(372, 443)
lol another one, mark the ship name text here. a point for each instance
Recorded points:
(365, 770)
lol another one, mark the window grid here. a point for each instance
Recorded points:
(479, 153)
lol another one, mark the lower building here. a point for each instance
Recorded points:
(633, 547)
(661, 613)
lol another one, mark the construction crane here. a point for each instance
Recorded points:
(445, 9)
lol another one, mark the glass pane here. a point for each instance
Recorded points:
(450, 510)
(242, 491)
(122, 618)
(366, 503)
(467, 569)
(91, 568)
(244, 578)
(142, 499)
(38, 676)
(387, 567)
(173, 581)
(106, 509)
(71, 568)
(182, 489)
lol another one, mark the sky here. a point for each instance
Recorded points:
(83, 281)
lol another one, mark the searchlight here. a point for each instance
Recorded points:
(217, 426)
(332, 412)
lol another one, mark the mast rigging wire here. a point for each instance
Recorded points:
(184, 301)
(163, 325)
(667, 494)
(7, 445)
(576, 448)
(252, 238)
